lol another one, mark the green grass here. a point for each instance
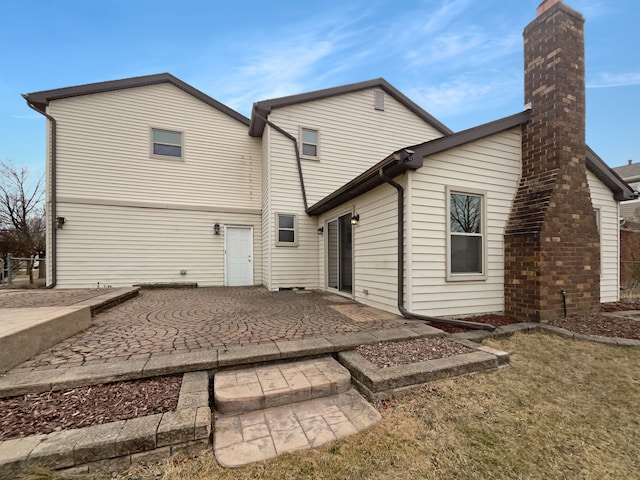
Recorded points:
(563, 410)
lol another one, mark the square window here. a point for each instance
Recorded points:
(166, 143)
(286, 232)
(309, 142)
(466, 236)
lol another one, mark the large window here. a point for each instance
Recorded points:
(165, 143)
(309, 142)
(286, 233)
(466, 236)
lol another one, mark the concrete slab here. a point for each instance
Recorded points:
(258, 387)
(283, 429)
(25, 332)
(160, 364)
(242, 355)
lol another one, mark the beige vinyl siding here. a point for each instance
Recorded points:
(353, 136)
(602, 199)
(121, 246)
(374, 246)
(490, 165)
(104, 149)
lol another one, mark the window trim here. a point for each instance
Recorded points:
(165, 157)
(317, 144)
(466, 277)
(295, 230)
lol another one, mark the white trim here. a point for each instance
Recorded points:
(166, 157)
(243, 227)
(317, 144)
(466, 277)
(295, 230)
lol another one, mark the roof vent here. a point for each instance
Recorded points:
(378, 102)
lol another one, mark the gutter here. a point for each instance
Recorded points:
(295, 145)
(52, 192)
(405, 313)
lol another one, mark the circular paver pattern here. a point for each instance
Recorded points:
(185, 320)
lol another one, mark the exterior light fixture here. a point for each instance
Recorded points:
(60, 221)
(320, 230)
(216, 229)
(355, 219)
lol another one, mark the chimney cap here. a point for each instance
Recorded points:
(546, 5)
(630, 161)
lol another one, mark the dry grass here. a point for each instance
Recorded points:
(564, 410)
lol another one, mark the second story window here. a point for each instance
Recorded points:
(166, 143)
(309, 143)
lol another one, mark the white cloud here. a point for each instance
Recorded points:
(608, 80)
(467, 93)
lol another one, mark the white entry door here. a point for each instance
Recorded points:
(238, 250)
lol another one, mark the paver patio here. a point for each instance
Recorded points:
(187, 320)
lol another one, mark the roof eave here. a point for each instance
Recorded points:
(41, 99)
(620, 189)
(265, 107)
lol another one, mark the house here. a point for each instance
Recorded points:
(630, 173)
(354, 189)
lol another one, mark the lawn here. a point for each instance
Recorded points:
(563, 410)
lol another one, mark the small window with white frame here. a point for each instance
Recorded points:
(466, 235)
(287, 235)
(166, 143)
(310, 142)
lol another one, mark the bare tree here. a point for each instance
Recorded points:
(21, 211)
(465, 213)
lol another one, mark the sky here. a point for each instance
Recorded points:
(461, 60)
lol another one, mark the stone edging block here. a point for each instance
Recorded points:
(121, 442)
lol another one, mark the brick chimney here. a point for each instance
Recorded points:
(552, 244)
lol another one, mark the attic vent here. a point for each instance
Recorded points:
(378, 102)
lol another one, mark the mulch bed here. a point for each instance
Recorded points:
(85, 406)
(602, 325)
(388, 354)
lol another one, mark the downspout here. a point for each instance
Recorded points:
(52, 192)
(405, 313)
(295, 145)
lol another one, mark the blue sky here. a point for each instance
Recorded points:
(461, 60)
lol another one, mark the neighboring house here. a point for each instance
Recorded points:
(355, 190)
(630, 173)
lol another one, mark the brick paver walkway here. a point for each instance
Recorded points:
(185, 320)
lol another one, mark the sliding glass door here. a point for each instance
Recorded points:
(340, 254)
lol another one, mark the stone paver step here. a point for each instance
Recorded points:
(257, 436)
(259, 387)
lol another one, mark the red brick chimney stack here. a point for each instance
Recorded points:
(552, 244)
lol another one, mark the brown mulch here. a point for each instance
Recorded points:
(389, 354)
(85, 406)
(602, 325)
(621, 306)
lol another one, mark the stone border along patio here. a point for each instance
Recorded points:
(118, 445)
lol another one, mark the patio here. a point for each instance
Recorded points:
(179, 321)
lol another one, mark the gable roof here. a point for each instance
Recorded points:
(411, 158)
(40, 100)
(264, 107)
(402, 160)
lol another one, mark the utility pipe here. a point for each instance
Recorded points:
(405, 313)
(295, 145)
(51, 185)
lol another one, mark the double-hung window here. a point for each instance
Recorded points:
(466, 230)
(286, 230)
(166, 143)
(309, 142)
